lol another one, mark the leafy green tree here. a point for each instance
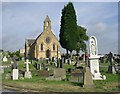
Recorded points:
(11, 54)
(68, 30)
(81, 38)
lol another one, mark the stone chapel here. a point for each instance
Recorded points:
(46, 45)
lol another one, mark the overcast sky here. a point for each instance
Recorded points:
(25, 20)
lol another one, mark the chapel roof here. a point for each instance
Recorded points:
(29, 42)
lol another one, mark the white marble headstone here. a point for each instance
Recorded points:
(94, 59)
(15, 74)
(5, 59)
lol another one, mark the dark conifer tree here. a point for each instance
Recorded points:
(68, 30)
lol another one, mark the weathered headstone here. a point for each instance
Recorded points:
(21, 74)
(88, 81)
(66, 60)
(111, 67)
(14, 63)
(59, 73)
(15, 74)
(1, 69)
(5, 59)
(40, 68)
(47, 60)
(43, 73)
(8, 76)
(23, 58)
(43, 66)
(70, 70)
(47, 69)
(58, 63)
(70, 61)
(117, 68)
(76, 76)
(27, 73)
(94, 59)
(61, 63)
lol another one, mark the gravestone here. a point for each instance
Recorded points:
(61, 63)
(43, 66)
(36, 66)
(27, 73)
(15, 74)
(55, 63)
(5, 59)
(70, 61)
(14, 65)
(63, 60)
(23, 58)
(8, 76)
(47, 69)
(66, 60)
(76, 76)
(43, 73)
(22, 73)
(94, 59)
(58, 63)
(88, 81)
(1, 69)
(111, 67)
(78, 64)
(59, 73)
(47, 60)
(40, 68)
(70, 70)
(117, 68)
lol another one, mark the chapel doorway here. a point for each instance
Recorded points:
(48, 53)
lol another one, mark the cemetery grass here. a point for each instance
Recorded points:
(41, 84)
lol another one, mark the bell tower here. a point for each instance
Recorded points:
(47, 24)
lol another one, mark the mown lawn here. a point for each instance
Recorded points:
(40, 84)
(111, 84)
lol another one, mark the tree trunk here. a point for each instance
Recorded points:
(77, 57)
(70, 54)
(67, 53)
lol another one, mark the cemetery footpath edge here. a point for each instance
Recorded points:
(34, 91)
(21, 89)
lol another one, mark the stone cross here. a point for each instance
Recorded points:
(27, 65)
(110, 58)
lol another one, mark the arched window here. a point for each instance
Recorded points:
(54, 47)
(47, 23)
(41, 47)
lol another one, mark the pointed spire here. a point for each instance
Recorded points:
(47, 19)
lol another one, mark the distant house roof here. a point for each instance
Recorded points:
(22, 51)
